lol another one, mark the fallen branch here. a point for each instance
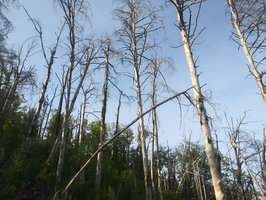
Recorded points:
(119, 133)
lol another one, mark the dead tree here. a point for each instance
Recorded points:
(248, 19)
(82, 54)
(46, 115)
(49, 63)
(188, 35)
(263, 158)
(69, 9)
(82, 122)
(156, 65)
(247, 153)
(19, 76)
(139, 21)
(234, 134)
(107, 51)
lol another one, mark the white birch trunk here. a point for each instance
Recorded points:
(251, 63)
(209, 149)
(136, 62)
(142, 137)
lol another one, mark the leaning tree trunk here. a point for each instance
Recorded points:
(254, 178)
(58, 125)
(43, 93)
(49, 64)
(251, 64)
(65, 126)
(209, 149)
(115, 136)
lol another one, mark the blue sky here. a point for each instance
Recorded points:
(223, 66)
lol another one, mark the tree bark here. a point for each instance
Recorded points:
(49, 64)
(208, 142)
(155, 132)
(43, 93)
(142, 136)
(254, 179)
(154, 193)
(71, 21)
(243, 42)
(263, 161)
(103, 123)
(81, 129)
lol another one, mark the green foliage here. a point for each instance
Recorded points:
(122, 172)
(54, 125)
(23, 170)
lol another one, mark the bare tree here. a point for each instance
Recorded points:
(82, 53)
(156, 73)
(69, 8)
(49, 63)
(139, 21)
(188, 35)
(82, 123)
(107, 51)
(234, 134)
(247, 151)
(248, 18)
(16, 75)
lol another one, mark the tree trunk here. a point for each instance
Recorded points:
(41, 120)
(263, 161)
(254, 179)
(41, 133)
(58, 125)
(236, 147)
(65, 126)
(142, 137)
(81, 129)
(34, 121)
(140, 111)
(49, 64)
(155, 131)
(209, 149)
(251, 63)
(103, 124)
(152, 165)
